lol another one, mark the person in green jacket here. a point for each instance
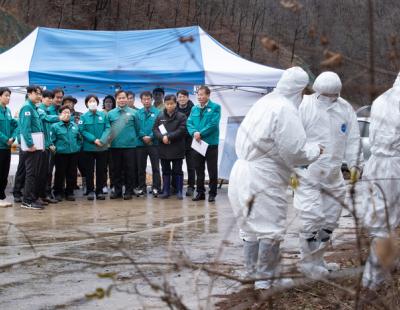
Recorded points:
(8, 129)
(94, 127)
(30, 127)
(148, 145)
(124, 139)
(45, 110)
(67, 140)
(203, 125)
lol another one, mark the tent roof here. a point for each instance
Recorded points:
(102, 60)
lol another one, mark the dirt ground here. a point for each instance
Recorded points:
(148, 254)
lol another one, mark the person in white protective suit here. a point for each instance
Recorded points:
(381, 182)
(330, 120)
(270, 142)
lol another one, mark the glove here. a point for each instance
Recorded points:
(294, 181)
(354, 175)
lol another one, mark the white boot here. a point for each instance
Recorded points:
(374, 274)
(5, 204)
(267, 267)
(311, 263)
(250, 249)
(324, 236)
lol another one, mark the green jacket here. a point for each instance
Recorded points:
(94, 126)
(8, 127)
(29, 122)
(52, 110)
(66, 137)
(205, 121)
(146, 123)
(47, 121)
(124, 127)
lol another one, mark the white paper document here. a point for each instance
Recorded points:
(38, 141)
(163, 130)
(200, 147)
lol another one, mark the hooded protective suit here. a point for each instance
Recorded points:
(269, 143)
(381, 181)
(331, 121)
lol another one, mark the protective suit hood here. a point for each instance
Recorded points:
(292, 84)
(327, 83)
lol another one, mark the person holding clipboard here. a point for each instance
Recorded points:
(32, 142)
(170, 129)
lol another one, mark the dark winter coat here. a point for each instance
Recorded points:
(186, 111)
(176, 131)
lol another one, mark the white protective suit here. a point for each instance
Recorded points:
(269, 143)
(321, 192)
(381, 178)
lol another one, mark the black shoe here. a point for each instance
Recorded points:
(139, 192)
(100, 197)
(32, 205)
(2, 195)
(155, 192)
(115, 195)
(17, 199)
(199, 197)
(189, 191)
(127, 196)
(211, 198)
(70, 198)
(43, 203)
(49, 200)
(90, 196)
(58, 198)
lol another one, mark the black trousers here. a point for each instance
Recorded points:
(142, 153)
(43, 174)
(66, 173)
(33, 161)
(5, 160)
(190, 164)
(211, 159)
(90, 161)
(176, 168)
(50, 171)
(19, 179)
(124, 166)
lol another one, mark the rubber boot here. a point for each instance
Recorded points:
(250, 251)
(311, 262)
(179, 186)
(267, 266)
(166, 192)
(374, 274)
(325, 235)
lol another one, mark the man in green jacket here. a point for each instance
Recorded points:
(8, 130)
(124, 138)
(203, 125)
(148, 145)
(67, 141)
(46, 114)
(31, 127)
(94, 127)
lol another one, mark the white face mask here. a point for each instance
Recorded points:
(92, 105)
(326, 99)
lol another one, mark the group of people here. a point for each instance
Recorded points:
(112, 143)
(287, 136)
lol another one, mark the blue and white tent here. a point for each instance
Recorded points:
(100, 61)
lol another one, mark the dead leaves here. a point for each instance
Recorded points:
(292, 5)
(269, 44)
(332, 60)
